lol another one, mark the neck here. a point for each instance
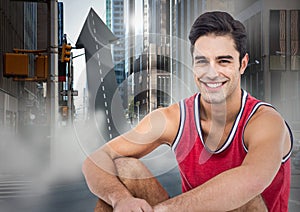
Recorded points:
(221, 112)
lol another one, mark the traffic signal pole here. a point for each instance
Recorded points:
(52, 85)
(70, 89)
(67, 59)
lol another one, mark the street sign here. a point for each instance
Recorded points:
(65, 93)
(74, 93)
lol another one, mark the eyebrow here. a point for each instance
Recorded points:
(200, 58)
(224, 57)
(218, 57)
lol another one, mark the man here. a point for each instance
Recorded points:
(232, 150)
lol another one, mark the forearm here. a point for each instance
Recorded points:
(225, 192)
(103, 181)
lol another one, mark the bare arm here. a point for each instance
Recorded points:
(155, 129)
(267, 140)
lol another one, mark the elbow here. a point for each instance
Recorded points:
(257, 184)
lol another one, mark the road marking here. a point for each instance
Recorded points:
(104, 96)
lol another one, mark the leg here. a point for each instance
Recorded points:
(139, 181)
(256, 204)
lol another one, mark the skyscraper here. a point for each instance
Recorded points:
(115, 21)
(147, 54)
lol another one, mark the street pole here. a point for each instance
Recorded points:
(70, 89)
(52, 86)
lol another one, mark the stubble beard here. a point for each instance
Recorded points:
(213, 97)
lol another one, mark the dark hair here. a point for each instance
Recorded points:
(219, 23)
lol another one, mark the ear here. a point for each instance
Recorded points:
(244, 63)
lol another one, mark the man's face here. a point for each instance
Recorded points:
(217, 69)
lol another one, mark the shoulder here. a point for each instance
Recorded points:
(266, 116)
(171, 111)
(171, 117)
(266, 125)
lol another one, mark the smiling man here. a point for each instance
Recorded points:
(232, 149)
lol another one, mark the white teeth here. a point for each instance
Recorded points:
(214, 85)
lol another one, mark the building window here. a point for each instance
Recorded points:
(295, 37)
(278, 40)
(253, 78)
(163, 90)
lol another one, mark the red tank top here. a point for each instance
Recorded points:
(197, 164)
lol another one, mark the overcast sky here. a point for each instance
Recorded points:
(75, 13)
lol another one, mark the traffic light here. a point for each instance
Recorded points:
(66, 52)
(64, 111)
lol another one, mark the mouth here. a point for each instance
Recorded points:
(212, 85)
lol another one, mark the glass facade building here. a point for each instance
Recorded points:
(115, 21)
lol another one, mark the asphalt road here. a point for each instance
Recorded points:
(18, 195)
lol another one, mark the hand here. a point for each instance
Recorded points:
(132, 204)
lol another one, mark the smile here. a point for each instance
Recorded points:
(214, 85)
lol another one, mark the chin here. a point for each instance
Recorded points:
(214, 99)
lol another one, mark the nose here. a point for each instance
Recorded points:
(211, 71)
(208, 70)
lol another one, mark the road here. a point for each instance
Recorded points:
(19, 195)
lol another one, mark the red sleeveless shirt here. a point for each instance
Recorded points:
(197, 164)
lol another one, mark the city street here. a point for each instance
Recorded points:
(76, 74)
(17, 195)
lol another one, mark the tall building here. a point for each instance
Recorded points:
(108, 13)
(22, 102)
(147, 45)
(115, 21)
(18, 30)
(183, 14)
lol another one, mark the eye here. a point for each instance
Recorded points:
(201, 61)
(224, 61)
